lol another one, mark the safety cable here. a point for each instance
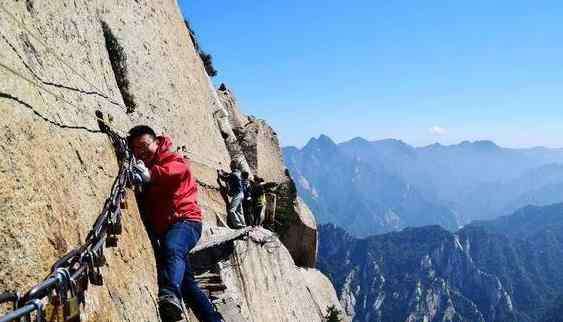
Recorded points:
(113, 131)
(40, 86)
(50, 83)
(56, 56)
(193, 155)
(56, 96)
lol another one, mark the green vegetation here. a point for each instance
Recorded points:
(118, 60)
(332, 314)
(206, 58)
(285, 209)
(523, 251)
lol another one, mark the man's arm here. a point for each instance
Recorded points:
(222, 175)
(270, 186)
(168, 173)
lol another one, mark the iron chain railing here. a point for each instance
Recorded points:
(71, 275)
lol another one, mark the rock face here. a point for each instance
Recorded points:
(503, 270)
(257, 140)
(259, 144)
(258, 281)
(421, 274)
(134, 61)
(301, 237)
(236, 118)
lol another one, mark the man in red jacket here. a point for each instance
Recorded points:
(173, 217)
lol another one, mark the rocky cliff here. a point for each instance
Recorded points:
(503, 270)
(134, 61)
(420, 274)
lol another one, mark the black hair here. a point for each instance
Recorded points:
(234, 165)
(139, 131)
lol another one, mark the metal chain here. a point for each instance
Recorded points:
(80, 266)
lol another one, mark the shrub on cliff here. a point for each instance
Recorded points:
(208, 63)
(332, 314)
(206, 58)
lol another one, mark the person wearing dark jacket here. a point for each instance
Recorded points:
(235, 217)
(247, 207)
(174, 219)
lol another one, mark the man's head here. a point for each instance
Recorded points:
(142, 140)
(234, 165)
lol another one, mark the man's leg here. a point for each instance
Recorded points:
(193, 296)
(174, 248)
(248, 213)
(160, 275)
(155, 243)
(260, 214)
(235, 210)
(240, 212)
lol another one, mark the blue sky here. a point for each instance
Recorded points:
(419, 71)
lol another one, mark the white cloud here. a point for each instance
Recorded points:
(438, 130)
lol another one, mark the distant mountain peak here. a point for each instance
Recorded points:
(486, 144)
(322, 143)
(322, 140)
(436, 145)
(390, 141)
(325, 139)
(479, 144)
(359, 140)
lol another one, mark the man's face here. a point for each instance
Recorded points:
(144, 147)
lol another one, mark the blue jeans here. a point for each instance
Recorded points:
(175, 275)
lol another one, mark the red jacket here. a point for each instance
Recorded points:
(172, 193)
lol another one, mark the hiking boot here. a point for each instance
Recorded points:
(170, 308)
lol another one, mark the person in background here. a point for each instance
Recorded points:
(235, 217)
(259, 189)
(247, 205)
(173, 216)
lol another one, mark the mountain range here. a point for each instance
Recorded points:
(507, 269)
(370, 187)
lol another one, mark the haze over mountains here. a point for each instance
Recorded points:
(380, 186)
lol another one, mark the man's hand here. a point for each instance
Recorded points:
(221, 174)
(140, 173)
